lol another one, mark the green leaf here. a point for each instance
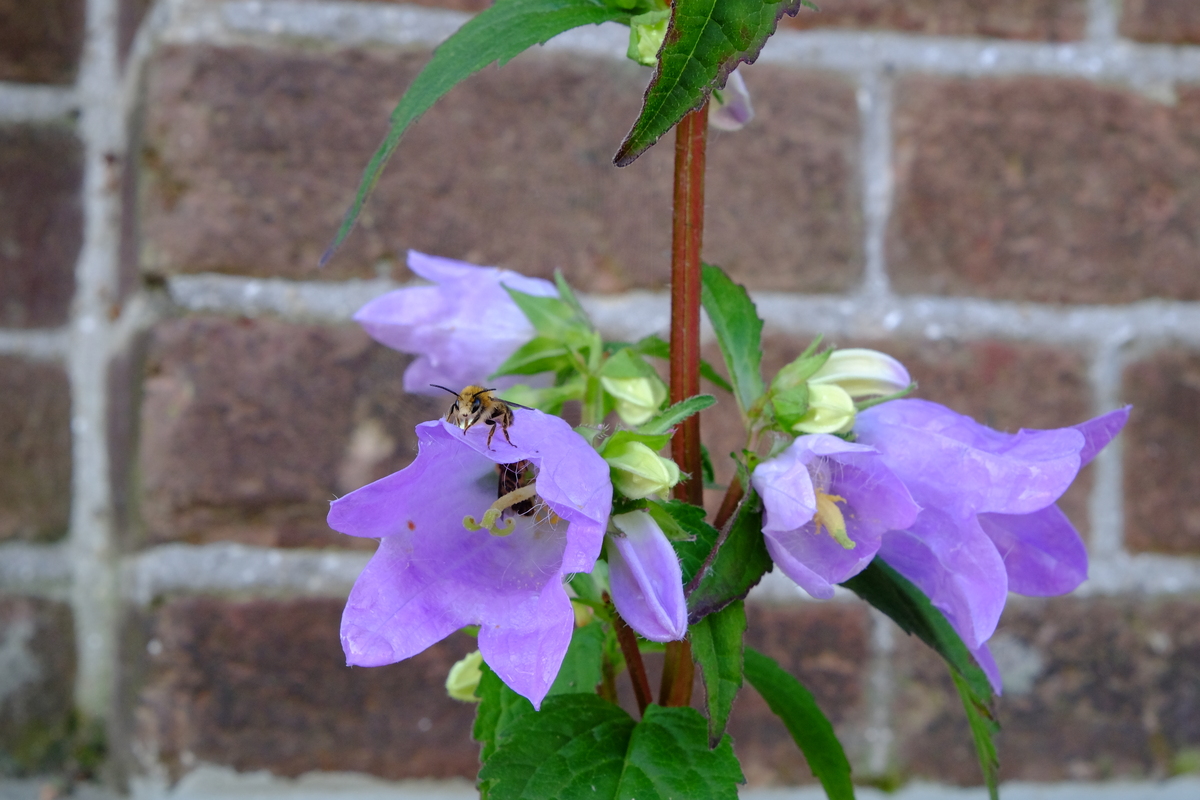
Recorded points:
(496, 34)
(580, 670)
(693, 552)
(717, 646)
(540, 354)
(626, 363)
(890, 592)
(810, 728)
(706, 469)
(739, 333)
(740, 563)
(669, 757)
(790, 405)
(550, 317)
(677, 414)
(657, 347)
(705, 41)
(568, 294)
(655, 441)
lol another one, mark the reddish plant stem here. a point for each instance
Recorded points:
(687, 236)
(633, 661)
(729, 503)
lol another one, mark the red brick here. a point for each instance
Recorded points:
(250, 427)
(250, 158)
(1162, 507)
(41, 224)
(37, 650)
(1044, 190)
(825, 646)
(1169, 21)
(35, 450)
(264, 685)
(1098, 689)
(40, 42)
(1048, 20)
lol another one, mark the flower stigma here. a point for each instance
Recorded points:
(830, 517)
(502, 504)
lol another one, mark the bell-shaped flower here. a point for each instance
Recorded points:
(437, 569)
(827, 504)
(646, 579)
(461, 328)
(639, 472)
(731, 109)
(830, 410)
(862, 373)
(989, 523)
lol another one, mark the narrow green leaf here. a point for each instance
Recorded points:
(496, 34)
(705, 41)
(717, 646)
(552, 318)
(657, 347)
(540, 354)
(706, 469)
(739, 564)
(568, 294)
(669, 757)
(983, 730)
(810, 728)
(739, 333)
(677, 413)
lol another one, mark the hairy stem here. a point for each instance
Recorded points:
(633, 661)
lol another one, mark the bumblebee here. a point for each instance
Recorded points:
(476, 404)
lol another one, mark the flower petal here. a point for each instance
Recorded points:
(733, 110)
(983, 657)
(1099, 431)
(646, 580)
(1042, 552)
(925, 443)
(957, 567)
(786, 488)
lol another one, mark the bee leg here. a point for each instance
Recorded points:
(492, 432)
(504, 430)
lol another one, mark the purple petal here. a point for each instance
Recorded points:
(1043, 553)
(949, 461)
(983, 657)
(646, 580)
(1099, 431)
(734, 110)
(957, 567)
(786, 489)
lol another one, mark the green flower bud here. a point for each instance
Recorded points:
(830, 410)
(638, 472)
(638, 399)
(862, 373)
(646, 34)
(464, 678)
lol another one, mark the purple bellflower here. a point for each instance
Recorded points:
(433, 574)
(989, 523)
(646, 579)
(827, 504)
(461, 328)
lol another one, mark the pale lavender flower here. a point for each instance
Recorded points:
(461, 328)
(432, 576)
(731, 109)
(989, 523)
(646, 579)
(827, 503)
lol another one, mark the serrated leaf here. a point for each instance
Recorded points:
(741, 561)
(736, 322)
(551, 317)
(677, 414)
(581, 667)
(890, 592)
(693, 552)
(705, 41)
(496, 34)
(540, 354)
(789, 700)
(717, 647)
(657, 347)
(669, 758)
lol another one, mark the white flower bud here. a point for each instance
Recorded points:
(637, 471)
(862, 373)
(830, 410)
(638, 399)
(464, 678)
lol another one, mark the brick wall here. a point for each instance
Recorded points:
(1004, 195)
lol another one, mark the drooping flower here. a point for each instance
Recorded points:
(461, 328)
(432, 576)
(989, 523)
(731, 109)
(646, 579)
(828, 502)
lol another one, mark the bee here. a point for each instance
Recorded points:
(476, 404)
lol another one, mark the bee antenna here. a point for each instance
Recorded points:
(444, 389)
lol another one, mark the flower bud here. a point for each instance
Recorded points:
(646, 34)
(862, 373)
(638, 398)
(464, 678)
(637, 471)
(830, 410)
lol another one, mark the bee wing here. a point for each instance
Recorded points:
(518, 405)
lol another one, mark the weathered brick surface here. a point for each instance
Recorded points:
(1046, 190)
(1049, 20)
(1162, 506)
(130, 14)
(37, 675)
(41, 174)
(35, 450)
(264, 685)
(250, 427)
(1169, 21)
(250, 158)
(826, 647)
(1006, 385)
(40, 42)
(1096, 689)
